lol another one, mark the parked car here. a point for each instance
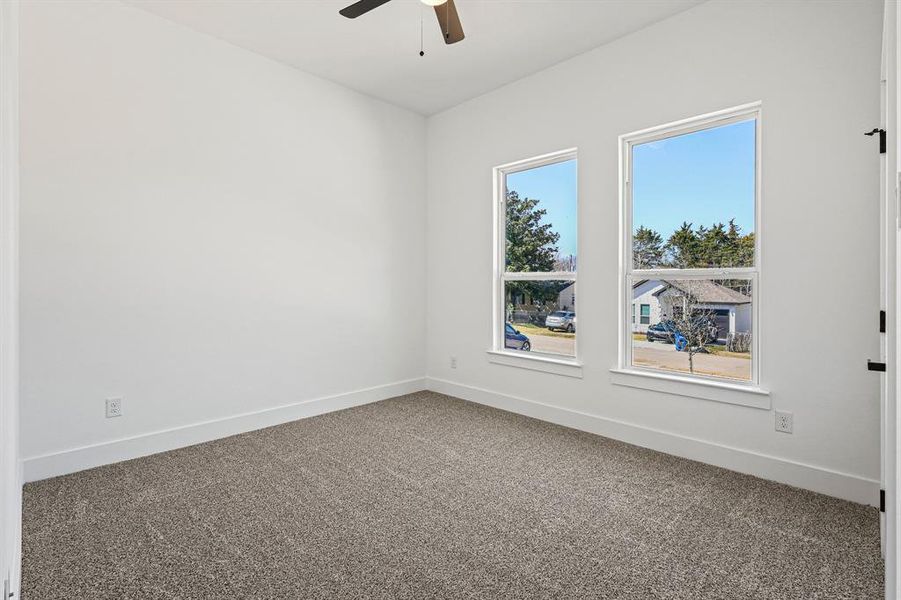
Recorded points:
(563, 320)
(664, 331)
(667, 331)
(514, 340)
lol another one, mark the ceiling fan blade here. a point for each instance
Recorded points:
(360, 8)
(449, 21)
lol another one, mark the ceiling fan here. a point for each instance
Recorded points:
(445, 10)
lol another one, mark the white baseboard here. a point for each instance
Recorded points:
(809, 477)
(95, 455)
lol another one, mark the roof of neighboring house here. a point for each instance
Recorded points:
(706, 291)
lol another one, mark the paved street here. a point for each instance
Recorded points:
(664, 356)
(553, 344)
(655, 354)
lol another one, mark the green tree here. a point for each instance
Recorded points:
(683, 248)
(531, 244)
(713, 247)
(745, 251)
(719, 245)
(734, 241)
(647, 249)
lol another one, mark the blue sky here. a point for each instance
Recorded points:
(556, 188)
(704, 178)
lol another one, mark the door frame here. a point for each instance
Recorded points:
(890, 296)
(10, 463)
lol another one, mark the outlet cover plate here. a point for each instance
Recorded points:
(113, 407)
(785, 421)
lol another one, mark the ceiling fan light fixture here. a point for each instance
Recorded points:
(445, 10)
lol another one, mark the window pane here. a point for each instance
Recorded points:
(543, 316)
(541, 218)
(695, 326)
(693, 199)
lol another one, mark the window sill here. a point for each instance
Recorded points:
(537, 362)
(717, 391)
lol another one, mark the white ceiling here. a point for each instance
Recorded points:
(378, 53)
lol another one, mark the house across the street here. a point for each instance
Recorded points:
(566, 299)
(653, 301)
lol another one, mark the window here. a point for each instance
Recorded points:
(691, 247)
(645, 314)
(535, 257)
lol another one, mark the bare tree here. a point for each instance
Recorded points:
(739, 342)
(565, 263)
(694, 325)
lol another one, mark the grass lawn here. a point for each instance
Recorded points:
(721, 351)
(712, 349)
(529, 329)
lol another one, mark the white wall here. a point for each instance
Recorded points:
(186, 207)
(10, 471)
(815, 67)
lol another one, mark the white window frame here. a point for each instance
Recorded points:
(551, 363)
(713, 388)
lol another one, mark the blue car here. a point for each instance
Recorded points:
(515, 340)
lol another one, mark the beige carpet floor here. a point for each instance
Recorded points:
(426, 496)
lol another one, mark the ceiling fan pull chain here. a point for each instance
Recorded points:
(421, 51)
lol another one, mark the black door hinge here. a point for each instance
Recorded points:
(881, 321)
(875, 366)
(881, 500)
(881, 133)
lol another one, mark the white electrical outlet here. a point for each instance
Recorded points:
(113, 407)
(785, 421)
(453, 362)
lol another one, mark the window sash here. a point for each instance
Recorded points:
(626, 339)
(746, 112)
